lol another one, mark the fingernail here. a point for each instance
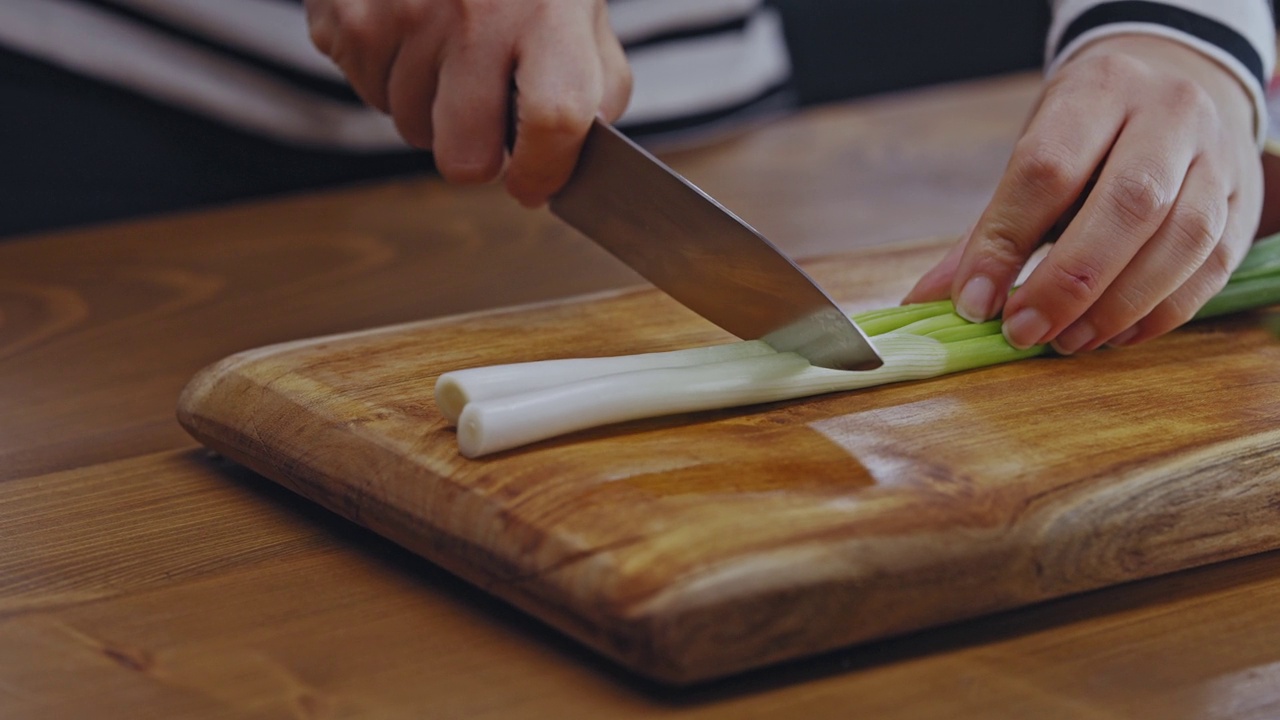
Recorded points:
(1075, 337)
(976, 298)
(1124, 338)
(1026, 328)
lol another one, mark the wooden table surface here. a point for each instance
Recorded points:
(141, 577)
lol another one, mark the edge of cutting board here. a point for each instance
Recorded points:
(1209, 503)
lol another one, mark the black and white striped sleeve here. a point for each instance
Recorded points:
(701, 67)
(1238, 34)
(248, 64)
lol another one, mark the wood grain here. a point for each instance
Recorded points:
(690, 548)
(141, 578)
(237, 600)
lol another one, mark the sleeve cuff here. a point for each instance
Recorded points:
(1248, 58)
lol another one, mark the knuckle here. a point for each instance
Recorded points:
(1121, 65)
(999, 252)
(1207, 281)
(1190, 97)
(1174, 312)
(1139, 196)
(1130, 307)
(1079, 281)
(1004, 249)
(566, 114)
(1218, 266)
(1109, 71)
(355, 21)
(1188, 105)
(1196, 230)
(1132, 300)
(1047, 168)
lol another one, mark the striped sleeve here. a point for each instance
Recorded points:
(1238, 34)
(249, 64)
(701, 68)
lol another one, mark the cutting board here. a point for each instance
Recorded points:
(692, 547)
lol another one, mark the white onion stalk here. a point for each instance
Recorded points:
(460, 387)
(501, 423)
(505, 406)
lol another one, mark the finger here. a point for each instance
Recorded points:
(618, 79)
(411, 88)
(1049, 169)
(560, 85)
(469, 118)
(1134, 195)
(1207, 281)
(1179, 248)
(936, 283)
(1175, 310)
(320, 24)
(362, 39)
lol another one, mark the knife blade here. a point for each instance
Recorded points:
(698, 252)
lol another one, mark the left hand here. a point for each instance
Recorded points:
(1169, 136)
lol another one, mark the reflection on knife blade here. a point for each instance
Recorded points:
(704, 256)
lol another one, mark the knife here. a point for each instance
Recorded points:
(688, 245)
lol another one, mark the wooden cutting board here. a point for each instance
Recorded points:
(693, 547)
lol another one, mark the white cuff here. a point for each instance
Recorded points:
(1239, 35)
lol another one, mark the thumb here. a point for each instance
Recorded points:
(936, 283)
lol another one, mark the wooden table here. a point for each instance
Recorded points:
(141, 577)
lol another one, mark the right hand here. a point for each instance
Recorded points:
(444, 70)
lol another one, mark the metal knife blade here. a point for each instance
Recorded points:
(704, 256)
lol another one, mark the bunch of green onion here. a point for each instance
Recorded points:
(506, 406)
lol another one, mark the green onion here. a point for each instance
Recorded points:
(506, 406)
(1263, 259)
(878, 322)
(501, 423)
(1255, 283)
(454, 390)
(1241, 295)
(934, 324)
(964, 332)
(918, 310)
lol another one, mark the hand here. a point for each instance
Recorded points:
(444, 70)
(1169, 136)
